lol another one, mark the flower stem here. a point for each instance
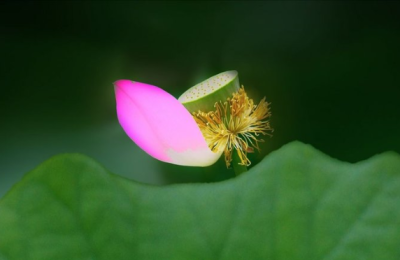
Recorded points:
(237, 168)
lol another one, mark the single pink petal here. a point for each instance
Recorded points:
(160, 125)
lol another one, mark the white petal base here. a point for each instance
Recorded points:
(199, 157)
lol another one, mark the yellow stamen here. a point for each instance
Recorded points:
(235, 124)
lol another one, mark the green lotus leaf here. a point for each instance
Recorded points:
(296, 204)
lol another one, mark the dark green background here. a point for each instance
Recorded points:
(330, 69)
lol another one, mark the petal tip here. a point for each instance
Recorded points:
(121, 83)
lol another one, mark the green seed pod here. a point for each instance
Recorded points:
(204, 95)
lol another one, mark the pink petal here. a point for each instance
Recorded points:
(160, 125)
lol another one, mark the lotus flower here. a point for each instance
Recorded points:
(223, 119)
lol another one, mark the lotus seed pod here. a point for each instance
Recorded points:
(203, 96)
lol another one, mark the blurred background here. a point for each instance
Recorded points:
(330, 69)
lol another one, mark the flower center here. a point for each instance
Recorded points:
(235, 124)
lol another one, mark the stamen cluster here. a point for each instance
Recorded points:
(235, 125)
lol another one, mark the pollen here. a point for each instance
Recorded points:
(235, 124)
